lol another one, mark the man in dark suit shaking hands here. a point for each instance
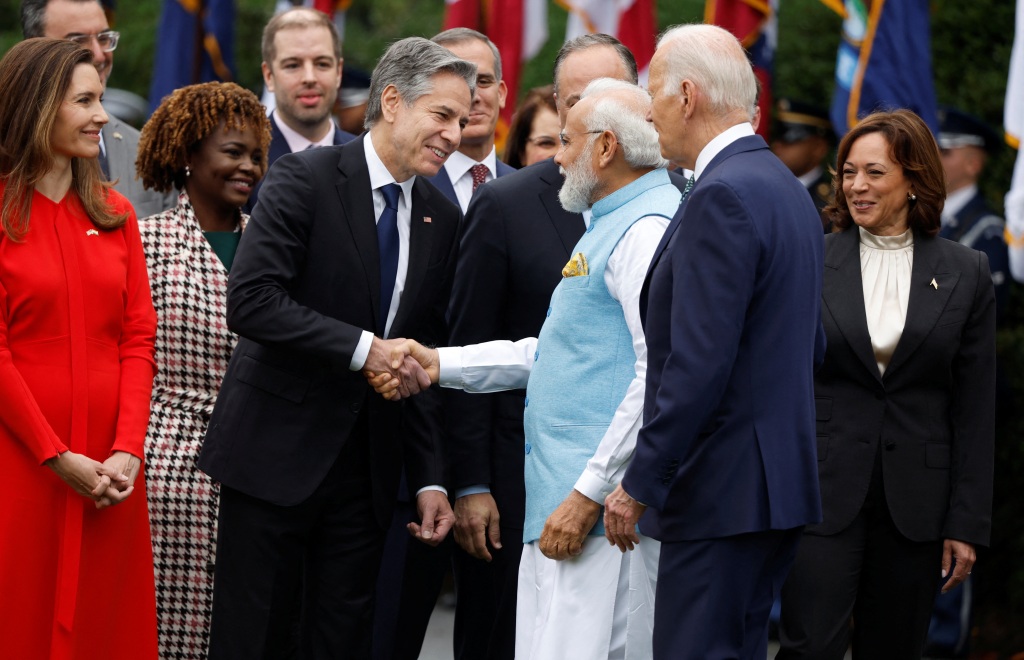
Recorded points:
(347, 245)
(725, 461)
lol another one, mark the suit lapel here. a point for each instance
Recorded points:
(569, 226)
(443, 183)
(842, 295)
(356, 209)
(926, 300)
(421, 243)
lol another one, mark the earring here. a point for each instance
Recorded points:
(911, 197)
(188, 171)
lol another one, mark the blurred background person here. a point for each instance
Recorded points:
(85, 23)
(210, 142)
(76, 371)
(533, 134)
(802, 139)
(905, 406)
(965, 143)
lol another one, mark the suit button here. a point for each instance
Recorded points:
(526, 402)
(528, 447)
(356, 407)
(536, 355)
(590, 228)
(548, 312)
(889, 445)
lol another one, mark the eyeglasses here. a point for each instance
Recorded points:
(106, 39)
(564, 139)
(543, 142)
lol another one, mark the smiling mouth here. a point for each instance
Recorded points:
(437, 152)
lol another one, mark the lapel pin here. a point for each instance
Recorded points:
(117, 136)
(92, 232)
(935, 285)
(427, 218)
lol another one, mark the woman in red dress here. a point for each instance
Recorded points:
(76, 369)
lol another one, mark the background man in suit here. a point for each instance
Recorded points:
(726, 457)
(517, 237)
(302, 69)
(84, 22)
(964, 143)
(802, 139)
(412, 574)
(346, 243)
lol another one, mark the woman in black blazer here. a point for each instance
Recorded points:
(904, 401)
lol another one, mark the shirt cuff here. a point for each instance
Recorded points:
(593, 487)
(437, 488)
(475, 489)
(362, 351)
(450, 366)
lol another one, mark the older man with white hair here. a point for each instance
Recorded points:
(725, 460)
(578, 596)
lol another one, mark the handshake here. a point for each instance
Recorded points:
(400, 368)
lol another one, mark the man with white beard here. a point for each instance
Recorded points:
(585, 373)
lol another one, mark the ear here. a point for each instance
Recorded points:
(268, 77)
(687, 97)
(389, 101)
(607, 146)
(502, 93)
(341, 64)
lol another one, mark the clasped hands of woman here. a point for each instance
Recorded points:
(107, 483)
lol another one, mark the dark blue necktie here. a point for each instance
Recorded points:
(387, 241)
(104, 165)
(687, 188)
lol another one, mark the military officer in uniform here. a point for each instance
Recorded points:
(802, 138)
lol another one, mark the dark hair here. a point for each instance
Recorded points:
(297, 17)
(184, 119)
(522, 123)
(589, 41)
(911, 146)
(35, 74)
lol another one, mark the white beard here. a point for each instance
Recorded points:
(580, 183)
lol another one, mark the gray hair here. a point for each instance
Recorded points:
(622, 108)
(33, 17)
(714, 60)
(410, 65)
(586, 41)
(461, 35)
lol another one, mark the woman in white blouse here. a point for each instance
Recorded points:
(904, 405)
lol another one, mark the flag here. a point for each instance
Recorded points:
(1013, 120)
(884, 61)
(755, 24)
(630, 21)
(195, 43)
(519, 28)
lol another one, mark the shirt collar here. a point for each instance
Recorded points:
(720, 142)
(459, 163)
(297, 142)
(379, 174)
(955, 202)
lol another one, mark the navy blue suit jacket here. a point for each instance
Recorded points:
(732, 314)
(977, 226)
(278, 148)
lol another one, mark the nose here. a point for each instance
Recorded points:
(452, 133)
(308, 72)
(101, 117)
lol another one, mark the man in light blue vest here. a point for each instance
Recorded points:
(578, 595)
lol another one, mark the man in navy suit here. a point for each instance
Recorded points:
(412, 574)
(347, 246)
(302, 68)
(725, 464)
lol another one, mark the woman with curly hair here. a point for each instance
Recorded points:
(210, 142)
(76, 370)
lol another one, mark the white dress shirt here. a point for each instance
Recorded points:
(458, 168)
(886, 263)
(720, 141)
(297, 142)
(504, 365)
(380, 177)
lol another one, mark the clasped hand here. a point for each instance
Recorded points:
(400, 368)
(107, 483)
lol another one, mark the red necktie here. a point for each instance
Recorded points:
(479, 174)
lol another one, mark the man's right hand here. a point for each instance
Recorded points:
(412, 368)
(476, 523)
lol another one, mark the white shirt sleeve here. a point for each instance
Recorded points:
(492, 366)
(624, 275)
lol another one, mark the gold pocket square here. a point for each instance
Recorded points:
(577, 266)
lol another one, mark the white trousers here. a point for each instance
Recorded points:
(594, 606)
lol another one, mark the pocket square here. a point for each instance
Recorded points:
(577, 266)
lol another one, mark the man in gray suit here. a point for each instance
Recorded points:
(84, 22)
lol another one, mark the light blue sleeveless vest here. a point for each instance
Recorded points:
(585, 359)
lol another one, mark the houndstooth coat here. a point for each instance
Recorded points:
(193, 346)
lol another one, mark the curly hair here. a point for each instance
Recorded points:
(184, 119)
(911, 146)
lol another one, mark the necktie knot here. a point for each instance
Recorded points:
(391, 192)
(479, 174)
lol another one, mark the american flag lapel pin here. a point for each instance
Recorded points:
(426, 219)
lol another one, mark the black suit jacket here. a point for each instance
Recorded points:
(279, 147)
(304, 285)
(931, 415)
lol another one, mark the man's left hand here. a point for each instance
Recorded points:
(566, 528)
(435, 515)
(621, 513)
(961, 557)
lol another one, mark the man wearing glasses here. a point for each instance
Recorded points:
(85, 23)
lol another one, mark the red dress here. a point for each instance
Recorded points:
(76, 368)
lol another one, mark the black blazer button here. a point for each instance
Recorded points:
(889, 445)
(356, 407)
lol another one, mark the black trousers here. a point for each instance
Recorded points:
(298, 581)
